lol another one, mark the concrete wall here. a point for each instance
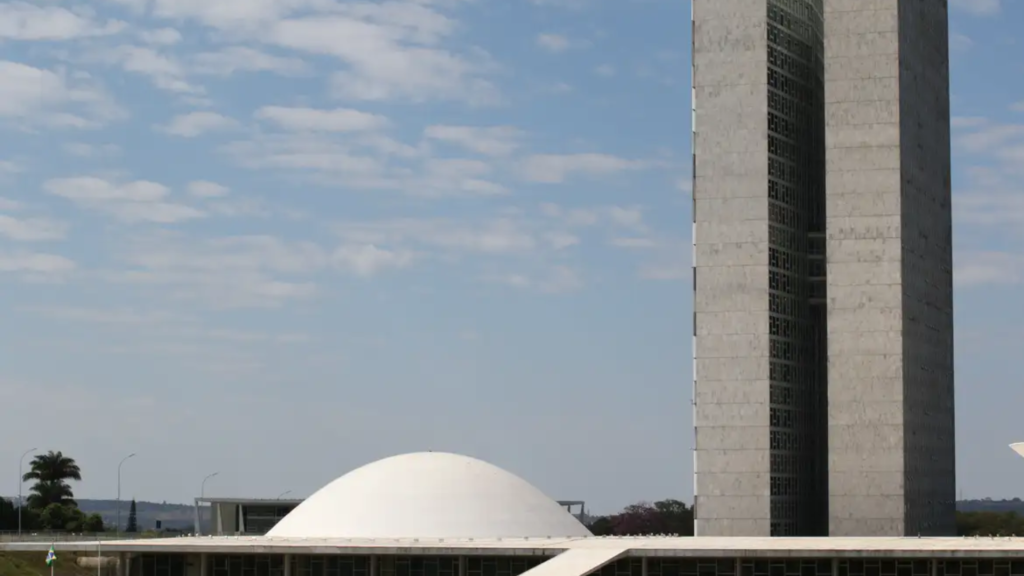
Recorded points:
(889, 290)
(930, 466)
(864, 234)
(731, 403)
(223, 518)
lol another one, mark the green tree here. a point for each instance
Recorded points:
(670, 517)
(56, 516)
(8, 515)
(133, 524)
(93, 524)
(50, 472)
(989, 523)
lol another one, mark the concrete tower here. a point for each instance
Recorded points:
(822, 401)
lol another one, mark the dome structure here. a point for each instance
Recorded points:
(429, 495)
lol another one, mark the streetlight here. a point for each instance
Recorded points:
(283, 494)
(21, 481)
(121, 463)
(202, 495)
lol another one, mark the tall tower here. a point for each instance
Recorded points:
(890, 276)
(820, 406)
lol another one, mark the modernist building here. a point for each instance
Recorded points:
(823, 312)
(435, 514)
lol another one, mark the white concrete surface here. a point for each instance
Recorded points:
(691, 547)
(428, 495)
(575, 562)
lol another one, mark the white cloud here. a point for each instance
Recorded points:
(490, 140)
(368, 260)
(967, 121)
(978, 7)
(555, 280)
(554, 169)
(10, 205)
(85, 150)
(39, 96)
(26, 21)
(133, 202)
(605, 70)
(553, 42)
(197, 123)
(36, 266)
(25, 89)
(496, 236)
(367, 161)
(233, 15)
(980, 268)
(391, 52)
(206, 189)
(960, 42)
(31, 229)
(314, 120)
(165, 72)
(160, 36)
(232, 272)
(227, 61)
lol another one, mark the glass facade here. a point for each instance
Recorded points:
(259, 519)
(796, 282)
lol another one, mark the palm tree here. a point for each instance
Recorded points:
(51, 472)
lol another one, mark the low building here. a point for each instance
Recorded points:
(241, 516)
(435, 514)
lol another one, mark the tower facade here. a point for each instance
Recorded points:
(822, 251)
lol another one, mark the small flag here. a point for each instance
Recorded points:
(51, 556)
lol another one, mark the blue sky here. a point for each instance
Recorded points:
(278, 239)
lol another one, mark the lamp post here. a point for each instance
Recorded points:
(121, 463)
(21, 481)
(283, 494)
(202, 495)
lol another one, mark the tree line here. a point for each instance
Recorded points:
(50, 504)
(673, 517)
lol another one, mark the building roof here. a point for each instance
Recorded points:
(1018, 447)
(660, 546)
(429, 495)
(251, 501)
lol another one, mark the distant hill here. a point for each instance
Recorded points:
(990, 505)
(174, 516)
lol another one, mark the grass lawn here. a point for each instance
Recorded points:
(34, 564)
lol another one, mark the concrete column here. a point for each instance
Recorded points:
(202, 564)
(643, 567)
(373, 565)
(287, 565)
(462, 566)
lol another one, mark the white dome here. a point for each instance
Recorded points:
(428, 495)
